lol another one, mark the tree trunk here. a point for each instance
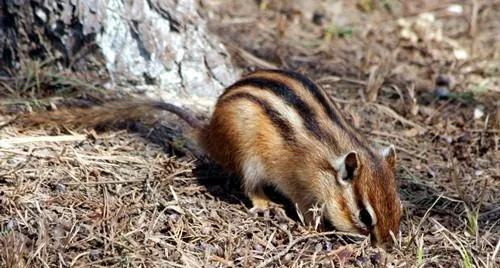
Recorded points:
(160, 47)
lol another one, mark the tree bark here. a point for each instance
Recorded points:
(160, 47)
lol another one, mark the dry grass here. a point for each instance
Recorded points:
(122, 198)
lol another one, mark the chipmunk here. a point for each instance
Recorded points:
(279, 128)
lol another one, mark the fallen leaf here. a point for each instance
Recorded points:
(410, 133)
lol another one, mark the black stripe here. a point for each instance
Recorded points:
(284, 92)
(316, 92)
(283, 126)
(319, 95)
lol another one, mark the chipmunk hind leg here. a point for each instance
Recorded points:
(253, 180)
(260, 201)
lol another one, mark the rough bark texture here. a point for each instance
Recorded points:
(157, 46)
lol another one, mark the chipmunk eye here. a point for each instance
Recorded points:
(365, 218)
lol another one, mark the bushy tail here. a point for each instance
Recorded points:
(106, 114)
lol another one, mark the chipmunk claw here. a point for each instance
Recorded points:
(260, 206)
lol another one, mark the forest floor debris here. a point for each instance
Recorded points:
(415, 78)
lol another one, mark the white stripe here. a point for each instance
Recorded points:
(370, 210)
(253, 172)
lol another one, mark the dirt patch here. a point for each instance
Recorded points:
(426, 83)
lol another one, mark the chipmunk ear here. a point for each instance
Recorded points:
(389, 154)
(347, 166)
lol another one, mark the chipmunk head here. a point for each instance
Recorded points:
(365, 199)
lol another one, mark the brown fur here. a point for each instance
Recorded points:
(377, 195)
(277, 128)
(295, 175)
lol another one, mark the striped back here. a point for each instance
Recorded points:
(318, 115)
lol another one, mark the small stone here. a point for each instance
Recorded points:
(61, 188)
(41, 14)
(441, 92)
(456, 8)
(478, 113)
(460, 54)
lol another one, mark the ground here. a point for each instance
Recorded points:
(419, 74)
